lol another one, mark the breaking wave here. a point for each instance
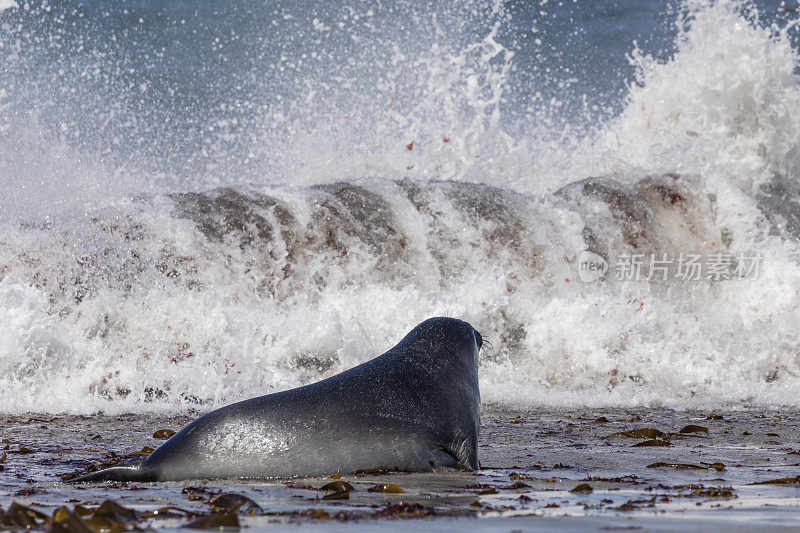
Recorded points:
(168, 294)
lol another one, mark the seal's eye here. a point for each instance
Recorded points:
(478, 339)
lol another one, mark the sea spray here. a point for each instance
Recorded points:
(158, 258)
(725, 101)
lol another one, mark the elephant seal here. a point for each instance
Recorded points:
(413, 408)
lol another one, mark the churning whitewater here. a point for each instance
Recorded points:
(291, 246)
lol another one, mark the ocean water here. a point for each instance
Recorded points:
(204, 202)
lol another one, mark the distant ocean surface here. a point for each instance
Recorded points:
(207, 201)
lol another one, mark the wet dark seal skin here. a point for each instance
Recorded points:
(414, 408)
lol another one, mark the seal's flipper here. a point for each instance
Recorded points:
(133, 470)
(461, 453)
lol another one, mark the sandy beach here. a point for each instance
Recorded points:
(569, 470)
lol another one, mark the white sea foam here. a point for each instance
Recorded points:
(8, 4)
(161, 302)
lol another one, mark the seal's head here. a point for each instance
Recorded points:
(446, 335)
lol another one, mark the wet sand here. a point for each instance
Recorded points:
(532, 462)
